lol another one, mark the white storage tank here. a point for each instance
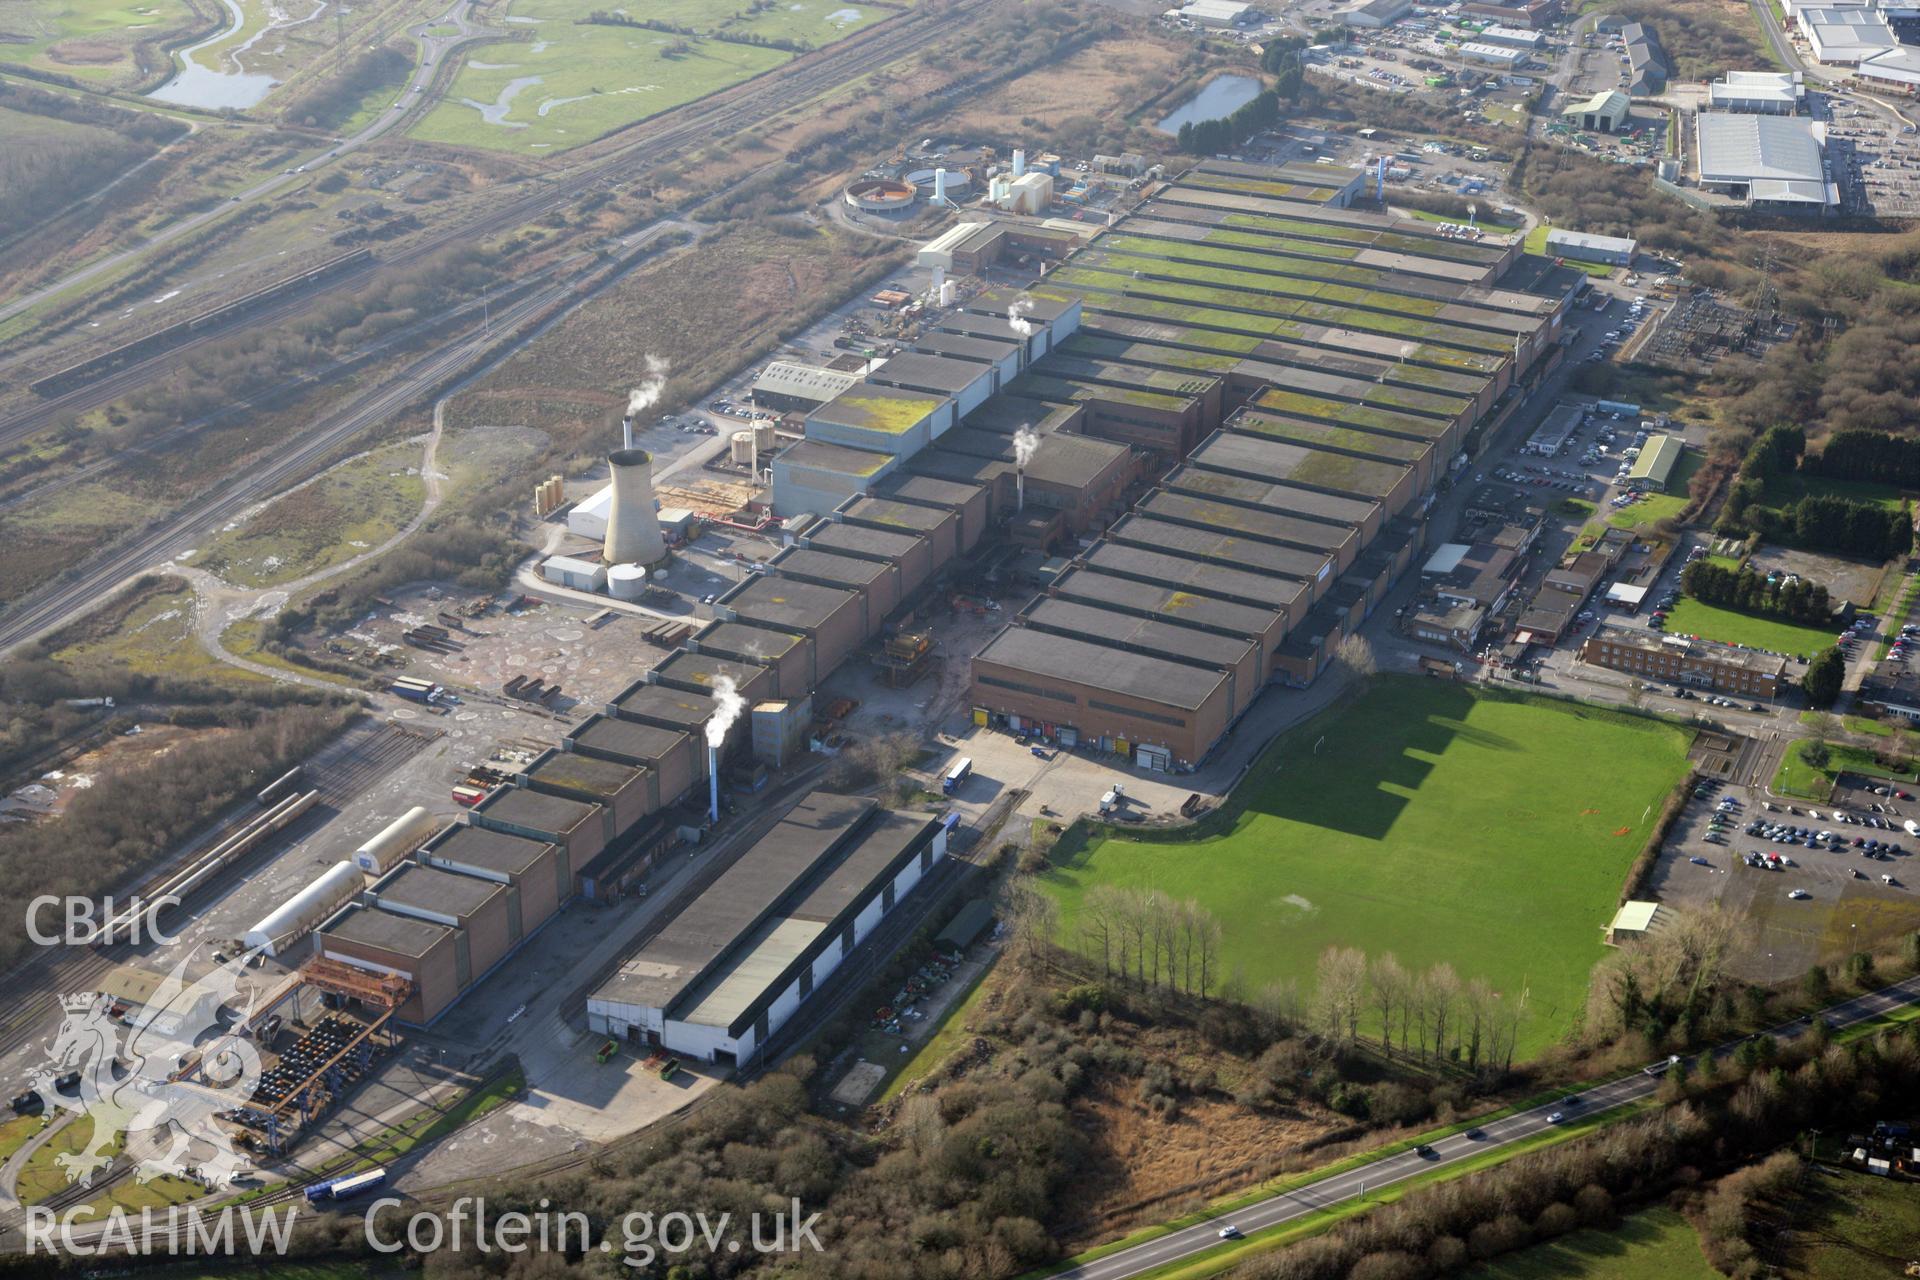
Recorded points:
(740, 448)
(400, 837)
(626, 581)
(298, 915)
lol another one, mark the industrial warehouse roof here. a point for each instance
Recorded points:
(496, 851)
(963, 346)
(1559, 239)
(1171, 603)
(1367, 442)
(918, 371)
(680, 708)
(574, 772)
(1846, 34)
(1161, 639)
(1747, 88)
(870, 407)
(1007, 415)
(753, 974)
(710, 925)
(401, 935)
(1657, 459)
(1199, 575)
(928, 490)
(1313, 468)
(1272, 495)
(534, 810)
(837, 458)
(858, 540)
(1610, 103)
(628, 739)
(1294, 530)
(997, 302)
(430, 889)
(1222, 546)
(703, 670)
(1067, 460)
(757, 644)
(905, 517)
(1744, 148)
(803, 382)
(787, 603)
(849, 571)
(1099, 666)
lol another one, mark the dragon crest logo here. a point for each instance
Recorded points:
(153, 1085)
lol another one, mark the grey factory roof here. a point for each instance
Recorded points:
(713, 922)
(965, 346)
(1099, 666)
(756, 644)
(1169, 602)
(1200, 575)
(1222, 546)
(849, 571)
(575, 772)
(928, 490)
(923, 372)
(1743, 148)
(1006, 415)
(1252, 521)
(822, 456)
(1313, 468)
(1162, 639)
(430, 889)
(401, 935)
(1272, 495)
(803, 382)
(628, 739)
(902, 517)
(659, 704)
(858, 540)
(787, 603)
(732, 991)
(535, 810)
(471, 846)
(1327, 435)
(703, 669)
(998, 301)
(1061, 459)
(979, 326)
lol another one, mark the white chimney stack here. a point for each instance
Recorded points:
(939, 186)
(626, 431)
(713, 784)
(633, 526)
(1019, 164)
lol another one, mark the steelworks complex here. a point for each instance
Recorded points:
(1215, 429)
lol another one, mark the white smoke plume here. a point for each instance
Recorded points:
(1025, 441)
(1017, 317)
(727, 706)
(642, 397)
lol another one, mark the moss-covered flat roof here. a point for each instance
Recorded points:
(889, 410)
(1372, 444)
(571, 771)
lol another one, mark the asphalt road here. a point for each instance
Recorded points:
(1290, 1206)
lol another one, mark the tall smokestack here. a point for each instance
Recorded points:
(1019, 164)
(1025, 441)
(626, 431)
(727, 706)
(633, 526)
(939, 186)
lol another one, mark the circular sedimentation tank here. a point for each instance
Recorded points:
(881, 195)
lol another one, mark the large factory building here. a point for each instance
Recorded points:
(720, 978)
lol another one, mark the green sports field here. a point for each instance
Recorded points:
(1489, 831)
(571, 81)
(1692, 618)
(1654, 1243)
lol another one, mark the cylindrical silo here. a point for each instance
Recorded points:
(740, 448)
(633, 526)
(1019, 163)
(763, 438)
(626, 581)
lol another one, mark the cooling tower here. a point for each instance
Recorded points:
(633, 527)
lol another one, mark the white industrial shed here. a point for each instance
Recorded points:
(1772, 93)
(1841, 37)
(736, 963)
(1897, 68)
(1497, 55)
(1765, 159)
(1582, 247)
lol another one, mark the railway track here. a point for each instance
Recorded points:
(721, 114)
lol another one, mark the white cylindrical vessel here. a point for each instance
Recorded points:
(299, 914)
(626, 581)
(401, 837)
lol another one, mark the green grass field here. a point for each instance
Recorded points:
(1653, 1243)
(1858, 724)
(1796, 777)
(1692, 618)
(1661, 506)
(1423, 819)
(1854, 1226)
(1782, 490)
(350, 509)
(574, 81)
(90, 40)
